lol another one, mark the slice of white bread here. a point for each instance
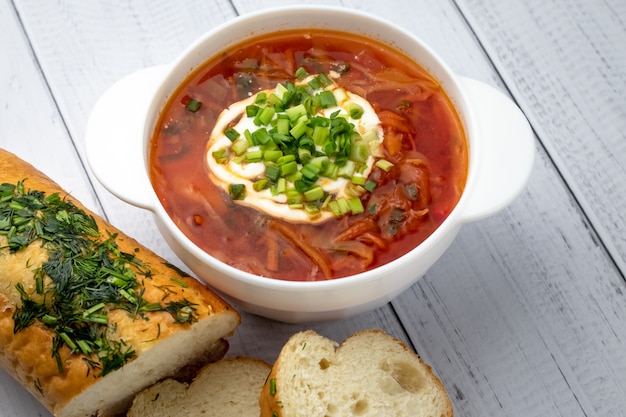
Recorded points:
(370, 374)
(230, 387)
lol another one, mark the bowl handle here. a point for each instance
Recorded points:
(507, 150)
(115, 148)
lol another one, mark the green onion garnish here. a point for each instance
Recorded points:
(193, 105)
(299, 145)
(355, 110)
(301, 74)
(231, 133)
(237, 191)
(384, 164)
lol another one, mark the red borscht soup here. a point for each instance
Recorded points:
(414, 178)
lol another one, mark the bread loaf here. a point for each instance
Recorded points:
(229, 387)
(88, 316)
(370, 375)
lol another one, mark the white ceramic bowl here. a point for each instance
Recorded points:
(501, 155)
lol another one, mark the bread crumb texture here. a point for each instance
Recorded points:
(230, 387)
(369, 374)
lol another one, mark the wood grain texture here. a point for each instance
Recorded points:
(525, 315)
(84, 48)
(565, 63)
(23, 94)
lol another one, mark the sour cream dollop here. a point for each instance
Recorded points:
(237, 171)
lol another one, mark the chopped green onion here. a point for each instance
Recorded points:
(331, 171)
(240, 146)
(274, 100)
(252, 110)
(282, 139)
(98, 318)
(347, 171)
(320, 134)
(324, 80)
(93, 309)
(237, 191)
(356, 206)
(384, 164)
(376, 149)
(340, 95)
(231, 133)
(310, 171)
(260, 184)
(296, 112)
(128, 295)
(84, 347)
(304, 155)
(272, 172)
(270, 145)
(334, 207)
(193, 105)
(280, 91)
(370, 135)
(261, 136)
(315, 84)
(68, 341)
(313, 194)
(370, 185)
(260, 98)
(282, 126)
(355, 190)
(299, 129)
(248, 136)
(301, 73)
(288, 168)
(320, 162)
(272, 155)
(118, 282)
(311, 209)
(344, 206)
(360, 151)
(254, 156)
(286, 158)
(355, 110)
(293, 197)
(327, 99)
(281, 186)
(220, 156)
(265, 115)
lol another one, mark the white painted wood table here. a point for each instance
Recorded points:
(525, 315)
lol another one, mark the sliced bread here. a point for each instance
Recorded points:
(88, 315)
(370, 374)
(230, 387)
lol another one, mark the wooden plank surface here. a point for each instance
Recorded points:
(23, 92)
(525, 315)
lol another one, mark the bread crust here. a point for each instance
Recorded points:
(26, 355)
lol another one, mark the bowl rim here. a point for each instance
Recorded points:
(449, 226)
